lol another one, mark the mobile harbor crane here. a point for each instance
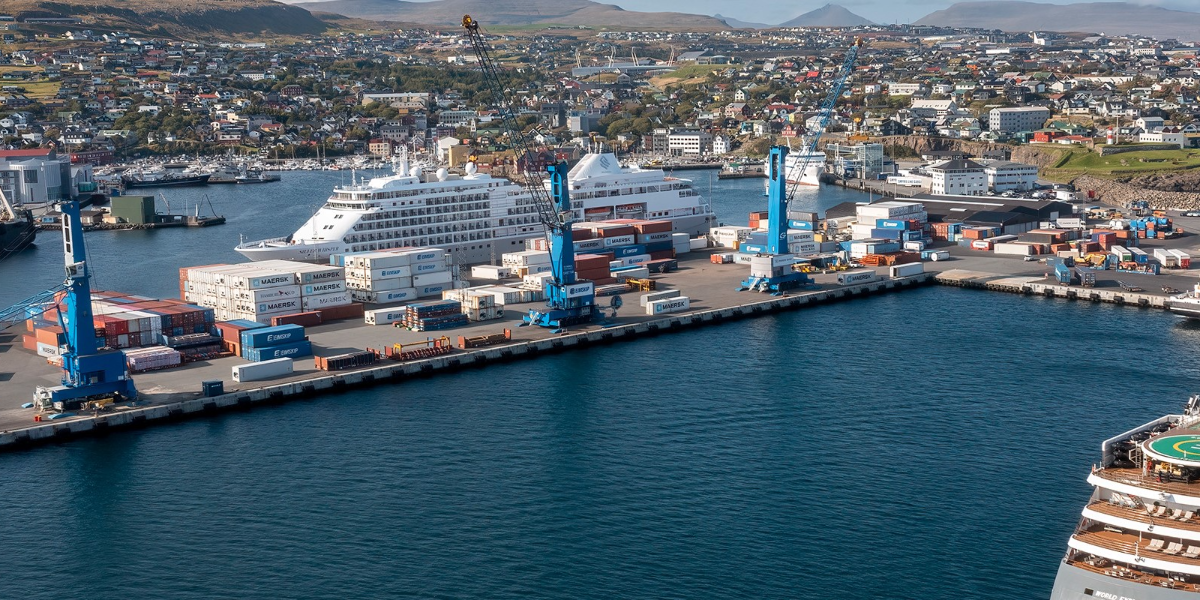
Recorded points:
(89, 373)
(772, 271)
(568, 301)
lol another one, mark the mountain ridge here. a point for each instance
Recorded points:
(830, 15)
(1112, 18)
(512, 12)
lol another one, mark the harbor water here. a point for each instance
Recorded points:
(927, 444)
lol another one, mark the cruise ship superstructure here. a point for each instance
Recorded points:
(800, 172)
(475, 216)
(1139, 537)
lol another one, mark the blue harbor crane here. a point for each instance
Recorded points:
(88, 372)
(568, 301)
(773, 273)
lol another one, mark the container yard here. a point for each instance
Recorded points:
(290, 327)
(698, 293)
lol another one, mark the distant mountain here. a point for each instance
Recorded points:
(512, 12)
(830, 15)
(736, 24)
(177, 18)
(1112, 18)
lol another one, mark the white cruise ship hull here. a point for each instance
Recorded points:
(1074, 583)
(694, 226)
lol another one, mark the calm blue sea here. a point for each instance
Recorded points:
(928, 444)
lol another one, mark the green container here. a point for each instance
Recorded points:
(138, 210)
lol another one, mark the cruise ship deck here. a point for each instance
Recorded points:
(1141, 527)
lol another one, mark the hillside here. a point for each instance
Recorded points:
(184, 18)
(737, 24)
(830, 15)
(512, 12)
(1111, 18)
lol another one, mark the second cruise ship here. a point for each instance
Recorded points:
(475, 216)
(1139, 536)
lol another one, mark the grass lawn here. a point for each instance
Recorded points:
(689, 71)
(45, 89)
(1127, 163)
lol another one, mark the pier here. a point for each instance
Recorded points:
(1038, 286)
(175, 394)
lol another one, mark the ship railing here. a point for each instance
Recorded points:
(261, 243)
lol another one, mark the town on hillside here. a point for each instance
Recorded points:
(918, 98)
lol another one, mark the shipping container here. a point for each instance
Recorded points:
(858, 276)
(271, 336)
(266, 369)
(645, 299)
(906, 270)
(491, 272)
(668, 305)
(293, 350)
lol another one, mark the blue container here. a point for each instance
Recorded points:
(912, 236)
(295, 350)
(754, 248)
(887, 234)
(800, 225)
(890, 224)
(758, 237)
(659, 246)
(272, 336)
(623, 251)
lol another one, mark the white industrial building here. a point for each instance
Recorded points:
(38, 175)
(1164, 135)
(689, 143)
(1003, 175)
(959, 177)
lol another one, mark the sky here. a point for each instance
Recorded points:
(880, 11)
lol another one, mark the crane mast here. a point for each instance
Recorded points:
(568, 301)
(771, 273)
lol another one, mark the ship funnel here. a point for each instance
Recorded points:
(442, 173)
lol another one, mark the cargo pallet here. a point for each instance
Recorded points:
(484, 340)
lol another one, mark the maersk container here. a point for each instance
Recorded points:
(618, 240)
(272, 336)
(906, 270)
(384, 316)
(262, 370)
(859, 276)
(325, 300)
(326, 287)
(278, 306)
(646, 238)
(295, 350)
(669, 305)
(654, 296)
(593, 244)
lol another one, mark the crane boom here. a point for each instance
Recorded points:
(825, 113)
(568, 301)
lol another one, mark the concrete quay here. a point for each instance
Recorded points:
(174, 394)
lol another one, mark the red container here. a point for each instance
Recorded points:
(618, 231)
(337, 313)
(580, 234)
(306, 319)
(51, 336)
(229, 331)
(29, 342)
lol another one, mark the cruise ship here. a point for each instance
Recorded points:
(1139, 536)
(804, 174)
(475, 216)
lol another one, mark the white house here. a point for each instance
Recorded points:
(1164, 135)
(720, 144)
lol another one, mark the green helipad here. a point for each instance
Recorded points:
(1181, 447)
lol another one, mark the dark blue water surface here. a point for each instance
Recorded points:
(927, 444)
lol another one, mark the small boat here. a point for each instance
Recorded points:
(156, 178)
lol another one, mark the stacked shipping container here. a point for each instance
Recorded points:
(263, 290)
